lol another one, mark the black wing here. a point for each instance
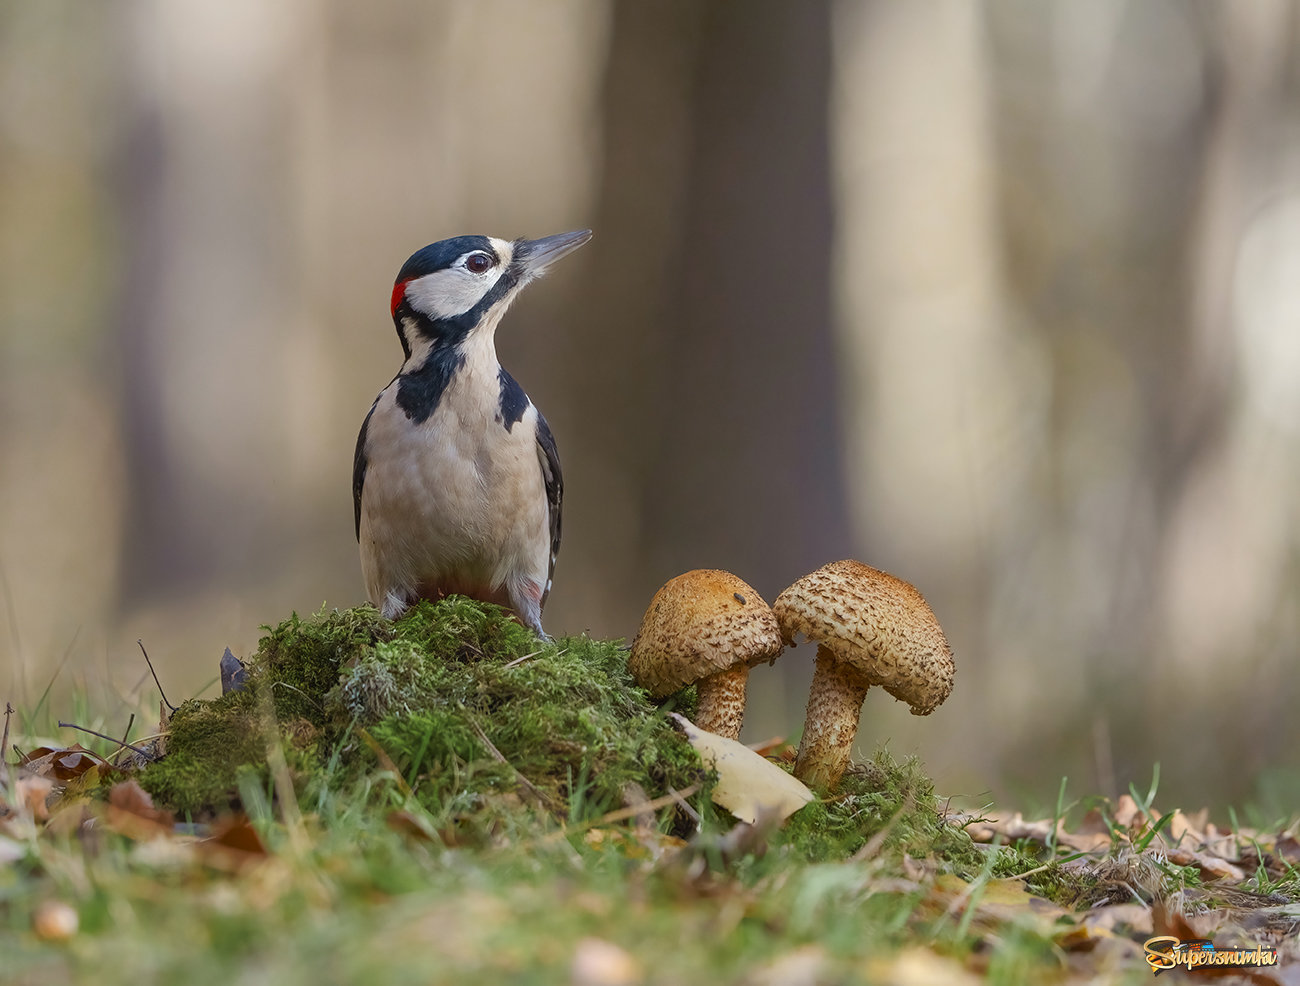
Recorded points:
(550, 460)
(359, 467)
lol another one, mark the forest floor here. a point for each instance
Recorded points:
(449, 799)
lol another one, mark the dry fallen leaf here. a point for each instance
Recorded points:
(1128, 918)
(778, 748)
(234, 844)
(997, 902)
(1288, 847)
(164, 721)
(11, 851)
(1128, 815)
(131, 812)
(77, 792)
(597, 962)
(805, 966)
(920, 967)
(63, 763)
(54, 920)
(749, 786)
(1016, 827)
(1211, 866)
(32, 793)
(412, 825)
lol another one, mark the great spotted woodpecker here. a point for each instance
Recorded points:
(456, 480)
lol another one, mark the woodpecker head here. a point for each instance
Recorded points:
(465, 284)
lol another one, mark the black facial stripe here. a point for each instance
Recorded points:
(401, 335)
(513, 401)
(420, 391)
(450, 331)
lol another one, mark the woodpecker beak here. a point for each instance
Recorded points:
(534, 256)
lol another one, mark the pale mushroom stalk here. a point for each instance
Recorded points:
(721, 705)
(831, 720)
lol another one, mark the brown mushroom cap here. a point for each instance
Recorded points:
(699, 624)
(877, 623)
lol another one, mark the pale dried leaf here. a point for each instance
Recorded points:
(233, 845)
(32, 791)
(1093, 823)
(54, 920)
(997, 902)
(1181, 831)
(164, 722)
(1211, 866)
(1288, 847)
(1120, 918)
(748, 786)
(78, 790)
(131, 812)
(1016, 827)
(597, 962)
(920, 967)
(10, 851)
(63, 763)
(1127, 812)
(803, 967)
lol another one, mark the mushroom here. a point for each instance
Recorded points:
(708, 628)
(871, 629)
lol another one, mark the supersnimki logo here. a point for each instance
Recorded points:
(1165, 952)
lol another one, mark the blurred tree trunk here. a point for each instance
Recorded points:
(702, 368)
(1120, 215)
(206, 232)
(1086, 124)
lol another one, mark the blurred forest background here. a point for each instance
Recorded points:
(1002, 297)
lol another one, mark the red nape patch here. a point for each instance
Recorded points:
(399, 292)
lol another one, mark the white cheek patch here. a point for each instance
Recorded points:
(505, 250)
(451, 292)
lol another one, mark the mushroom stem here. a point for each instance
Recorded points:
(831, 721)
(721, 708)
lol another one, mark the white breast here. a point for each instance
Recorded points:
(456, 502)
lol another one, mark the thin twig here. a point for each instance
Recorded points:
(680, 798)
(631, 811)
(9, 710)
(4, 743)
(295, 688)
(290, 812)
(1048, 865)
(385, 760)
(872, 845)
(129, 723)
(519, 660)
(497, 755)
(128, 746)
(155, 676)
(618, 815)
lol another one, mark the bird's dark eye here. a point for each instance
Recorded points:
(478, 263)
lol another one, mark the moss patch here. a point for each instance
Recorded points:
(881, 795)
(475, 713)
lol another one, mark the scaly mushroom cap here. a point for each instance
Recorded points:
(877, 623)
(699, 624)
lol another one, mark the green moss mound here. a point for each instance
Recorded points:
(881, 797)
(455, 704)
